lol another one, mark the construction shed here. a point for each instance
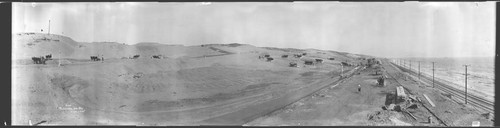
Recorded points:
(308, 62)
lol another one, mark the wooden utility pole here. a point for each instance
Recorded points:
(466, 83)
(404, 63)
(419, 70)
(410, 66)
(49, 27)
(433, 74)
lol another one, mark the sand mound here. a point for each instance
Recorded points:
(27, 45)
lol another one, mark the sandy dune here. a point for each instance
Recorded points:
(192, 83)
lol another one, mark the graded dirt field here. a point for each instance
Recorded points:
(188, 85)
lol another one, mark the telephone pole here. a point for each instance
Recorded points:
(419, 70)
(410, 66)
(466, 83)
(49, 27)
(433, 74)
(404, 63)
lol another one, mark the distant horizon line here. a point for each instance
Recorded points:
(442, 57)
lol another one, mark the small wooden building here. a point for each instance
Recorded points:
(308, 62)
(270, 59)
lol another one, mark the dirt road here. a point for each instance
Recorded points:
(251, 112)
(340, 105)
(343, 105)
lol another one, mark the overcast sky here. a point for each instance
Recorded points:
(398, 29)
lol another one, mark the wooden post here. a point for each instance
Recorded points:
(410, 66)
(433, 74)
(466, 83)
(404, 63)
(49, 27)
(419, 70)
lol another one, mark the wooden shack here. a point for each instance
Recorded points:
(269, 59)
(308, 62)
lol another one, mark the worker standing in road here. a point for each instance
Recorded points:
(359, 88)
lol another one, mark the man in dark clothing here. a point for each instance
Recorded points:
(359, 88)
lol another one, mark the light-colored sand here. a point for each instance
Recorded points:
(182, 88)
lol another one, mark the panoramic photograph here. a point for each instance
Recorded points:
(253, 63)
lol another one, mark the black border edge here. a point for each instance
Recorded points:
(6, 13)
(496, 123)
(6, 45)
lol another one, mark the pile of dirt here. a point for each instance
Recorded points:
(382, 117)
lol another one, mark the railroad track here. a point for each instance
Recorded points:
(476, 101)
(396, 81)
